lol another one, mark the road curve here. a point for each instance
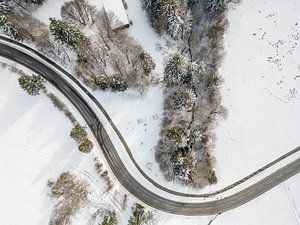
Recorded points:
(119, 169)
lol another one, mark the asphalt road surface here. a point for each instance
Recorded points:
(119, 169)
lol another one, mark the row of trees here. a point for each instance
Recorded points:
(79, 134)
(33, 85)
(192, 97)
(176, 17)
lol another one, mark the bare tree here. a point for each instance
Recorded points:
(78, 12)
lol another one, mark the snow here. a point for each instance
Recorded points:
(142, 31)
(33, 151)
(117, 7)
(261, 91)
(51, 8)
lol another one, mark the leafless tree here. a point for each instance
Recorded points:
(78, 12)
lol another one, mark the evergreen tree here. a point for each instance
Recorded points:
(174, 24)
(179, 136)
(185, 99)
(153, 7)
(140, 216)
(175, 69)
(66, 33)
(9, 29)
(146, 62)
(118, 84)
(172, 16)
(32, 84)
(86, 146)
(110, 219)
(78, 133)
(184, 161)
(215, 5)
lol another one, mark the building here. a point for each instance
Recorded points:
(118, 8)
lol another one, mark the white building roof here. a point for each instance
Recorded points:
(115, 6)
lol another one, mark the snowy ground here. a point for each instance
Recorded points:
(51, 8)
(261, 93)
(262, 87)
(33, 150)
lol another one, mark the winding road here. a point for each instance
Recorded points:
(120, 171)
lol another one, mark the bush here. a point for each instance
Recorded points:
(32, 84)
(78, 133)
(86, 146)
(71, 194)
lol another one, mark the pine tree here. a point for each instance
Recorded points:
(32, 84)
(9, 29)
(66, 33)
(139, 216)
(185, 99)
(184, 161)
(178, 135)
(215, 5)
(78, 133)
(146, 62)
(117, 84)
(175, 69)
(110, 219)
(172, 16)
(153, 6)
(86, 146)
(174, 24)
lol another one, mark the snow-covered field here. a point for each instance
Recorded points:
(261, 92)
(262, 87)
(35, 146)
